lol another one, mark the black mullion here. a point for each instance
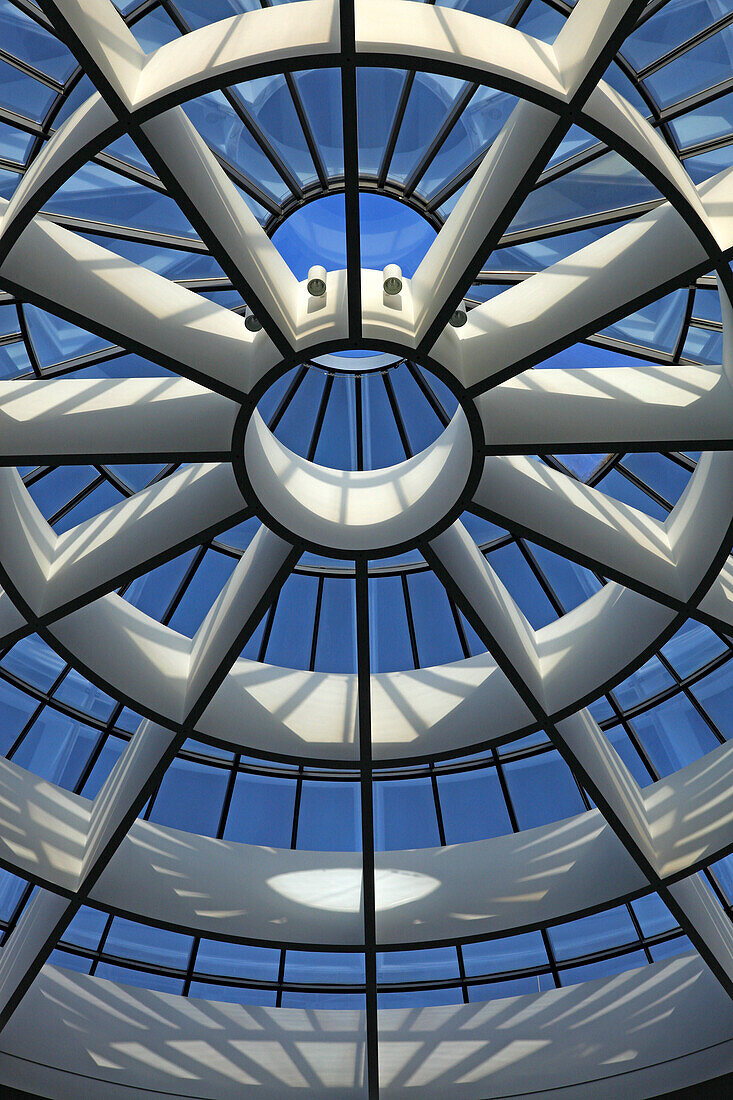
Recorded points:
(307, 129)
(247, 185)
(77, 499)
(540, 576)
(228, 794)
(511, 812)
(296, 808)
(595, 220)
(367, 824)
(459, 106)
(428, 392)
(359, 417)
(640, 934)
(21, 122)
(33, 13)
(102, 738)
(320, 417)
(550, 957)
(450, 188)
(173, 241)
(293, 387)
(410, 621)
(709, 146)
(397, 414)
(268, 629)
(696, 705)
(717, 888)
(681, 460)
(605, 467)
(699, 99)
(100, 946)
(37, 713)
(672, 690)
(395, 128)
(30, 71)
(462, 973)
(460, 630)
(631, 734)
(316, 624)
(191, 966)
(351, 166)
(637, 481)
(183, 584)
(683, 47)
(518, 12)
(283, 170)
(685, 326)
(26, 337)
(280, 979)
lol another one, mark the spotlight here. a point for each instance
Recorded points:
(252, 323)
(392, 276)
(459, 317)
(317, 281)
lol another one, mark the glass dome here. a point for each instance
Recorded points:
(366, 652)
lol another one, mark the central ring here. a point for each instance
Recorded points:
(343, 513)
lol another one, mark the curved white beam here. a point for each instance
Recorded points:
(483, 888)
(355, 511)
(645, 1032)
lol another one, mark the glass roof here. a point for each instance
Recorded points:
(421, 138)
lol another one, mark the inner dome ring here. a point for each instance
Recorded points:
(345, 513)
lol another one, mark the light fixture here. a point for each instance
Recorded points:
(459, 316)
(392, 276)
(317, 281)
(252, 323)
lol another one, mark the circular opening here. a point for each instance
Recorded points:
(355, 411)
(391, 233)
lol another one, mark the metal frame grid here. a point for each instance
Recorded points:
(654, 573)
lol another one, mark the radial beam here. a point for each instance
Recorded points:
(257, 578)
(508, 636)
(642, 408)
(579, 295)
(511, 167)
(69, 571)
(490, 609)
(132, 306)
(583, 524)
(89, 421)
(48, 915)
(98, 35)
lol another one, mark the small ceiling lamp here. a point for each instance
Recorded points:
(317, 281)
(392, 276)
